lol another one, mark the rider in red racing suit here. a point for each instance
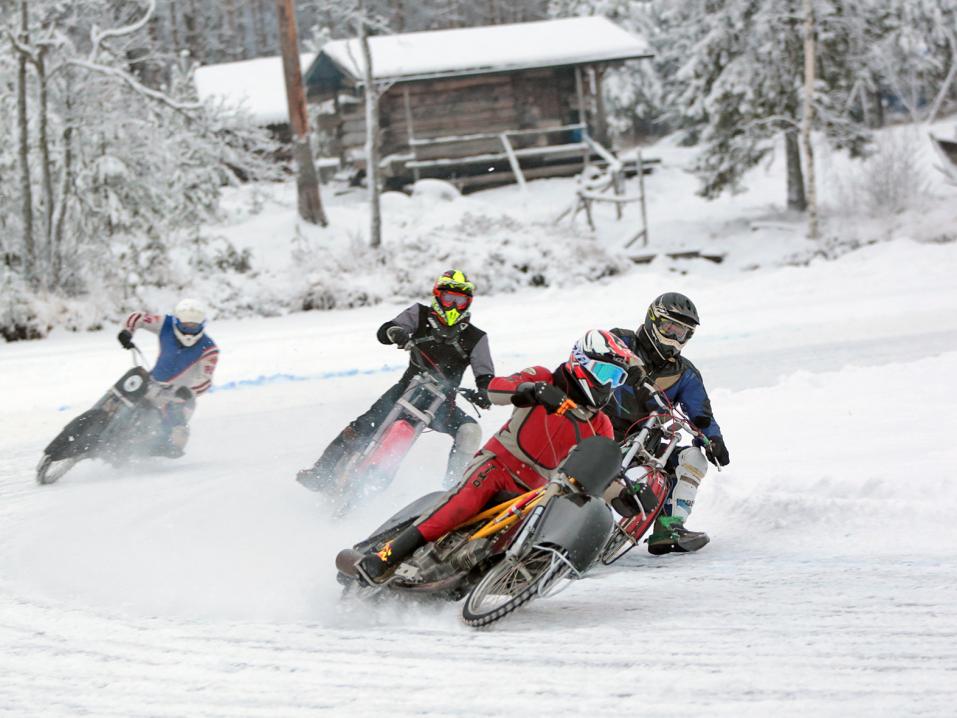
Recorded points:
(554, 412)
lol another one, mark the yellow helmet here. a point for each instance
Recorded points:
(452, 296)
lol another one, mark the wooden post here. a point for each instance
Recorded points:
(513, 161)
(307, 180)
(582, 115)
(641, 193)
(808, 118)
(410, 129)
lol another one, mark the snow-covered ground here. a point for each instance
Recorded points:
(205, 586)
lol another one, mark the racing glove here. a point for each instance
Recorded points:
(717, 452)
(125, 339)
(539, 393)
(399, 336)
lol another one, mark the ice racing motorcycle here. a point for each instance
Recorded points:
(518, 549)
(369, 469)
(125, 423)
(645, 454)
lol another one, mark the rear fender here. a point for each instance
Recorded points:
(80, 436)
(575, 524)
(403, 518)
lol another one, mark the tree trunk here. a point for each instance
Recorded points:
(792, 149)
(372, 130)
(46, 168)
(23, 152)
(398, 16)
(66, 184)
(808, 118)
(310, 204)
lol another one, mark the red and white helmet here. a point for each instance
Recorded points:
(599, 364)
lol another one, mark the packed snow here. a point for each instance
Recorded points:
(205, 586)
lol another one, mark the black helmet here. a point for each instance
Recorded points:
(670, 323)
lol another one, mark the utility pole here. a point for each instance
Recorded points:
(808, 117)
(307, 181)
(372, 128)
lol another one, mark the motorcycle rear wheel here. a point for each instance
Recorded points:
(510, 585)
(50, 471)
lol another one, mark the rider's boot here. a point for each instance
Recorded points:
(670, 535)
(375, 567)
(467, 440)
(319, 474)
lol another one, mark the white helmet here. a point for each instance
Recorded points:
(189, 322)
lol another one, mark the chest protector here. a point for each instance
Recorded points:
(173, 357)
(449, 347)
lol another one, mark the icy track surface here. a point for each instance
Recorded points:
(205, 586)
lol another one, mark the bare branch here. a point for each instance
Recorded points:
(97, 38)
(184, 107)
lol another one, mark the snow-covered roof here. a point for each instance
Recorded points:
(258, 86)
(494, 48)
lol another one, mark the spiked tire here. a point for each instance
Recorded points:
(514, 583)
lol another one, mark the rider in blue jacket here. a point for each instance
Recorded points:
(669, 323)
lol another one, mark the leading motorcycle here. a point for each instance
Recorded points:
(520, 548)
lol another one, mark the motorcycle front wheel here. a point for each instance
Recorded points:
(511, 584)
(50, 470)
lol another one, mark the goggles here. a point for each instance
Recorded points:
(190, 327)
(453, 299)
(673, 329)
(605, 373)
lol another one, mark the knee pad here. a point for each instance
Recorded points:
(691, 468)
(467, 438)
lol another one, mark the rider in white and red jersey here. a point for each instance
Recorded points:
(185, 365)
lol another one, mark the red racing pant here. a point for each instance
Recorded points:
(478, 487)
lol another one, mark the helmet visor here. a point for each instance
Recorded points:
(673, 329)
(453, 299)
(606, 373)
(190, 327)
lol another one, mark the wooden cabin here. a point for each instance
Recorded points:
(479, 106)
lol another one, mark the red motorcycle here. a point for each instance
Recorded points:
(645, 454)
(369, 469)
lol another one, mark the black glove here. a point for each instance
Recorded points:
(125, 339)
(636, 375)
(399, 336)
(717, 452)
(183, 393)
(479, 398)
(540, 393)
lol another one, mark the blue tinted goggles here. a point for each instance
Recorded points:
(606, 373)
(189, 327)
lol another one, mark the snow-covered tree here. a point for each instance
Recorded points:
(116, 172)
